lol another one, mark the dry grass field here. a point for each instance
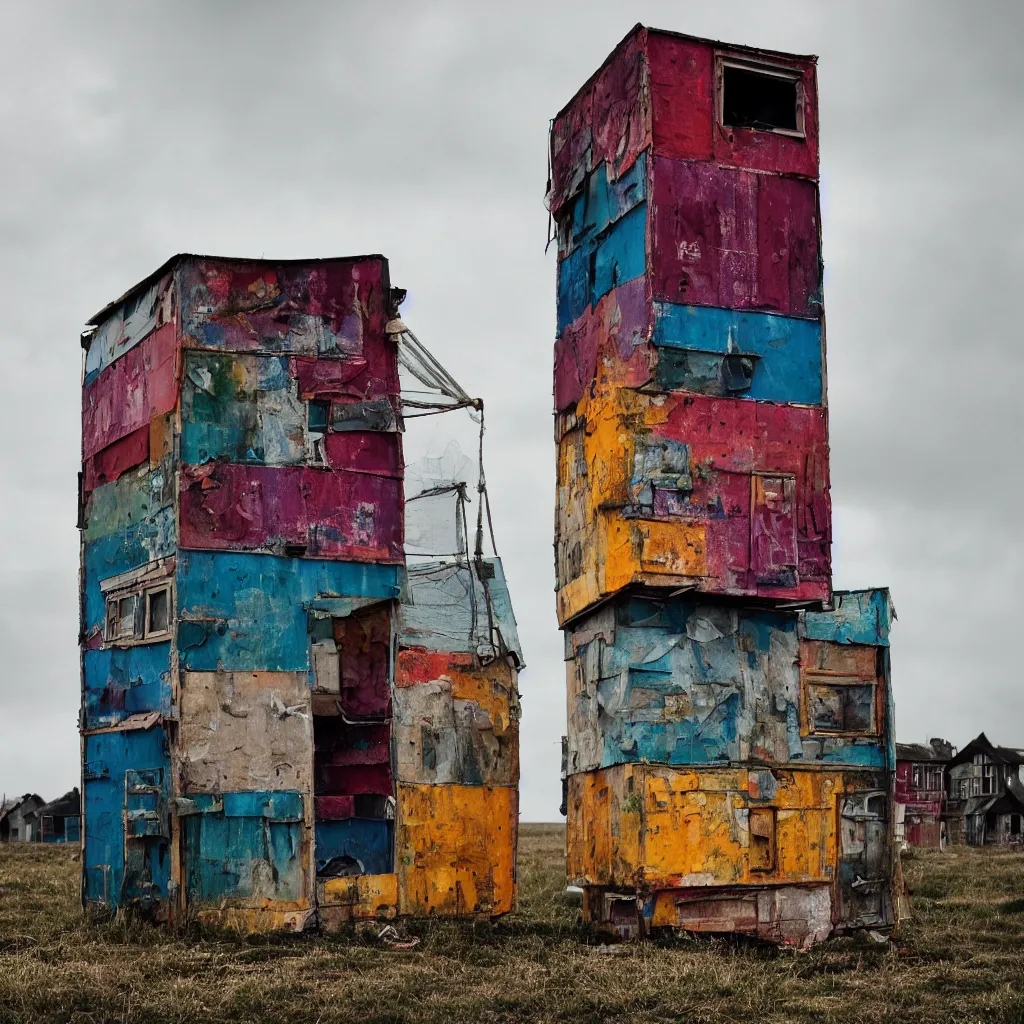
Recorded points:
(960, 959)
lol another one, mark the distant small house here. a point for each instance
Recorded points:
(985, 794)
(920, 792)
(17, 819)
(60, 820)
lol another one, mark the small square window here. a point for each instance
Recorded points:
(158, 611)
(838, 706)
(764, 99)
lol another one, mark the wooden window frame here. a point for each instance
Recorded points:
(794, 75)
(811, 677)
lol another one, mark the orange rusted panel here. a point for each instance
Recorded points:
(718, 494)
(650, 827)
(273, 917)
(455, 849)
(358, 897)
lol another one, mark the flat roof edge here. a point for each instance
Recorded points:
(164, 267)
(718, 43)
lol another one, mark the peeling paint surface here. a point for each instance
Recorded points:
(246, 600)
(722, 494)
(455, 856)
(729, 756)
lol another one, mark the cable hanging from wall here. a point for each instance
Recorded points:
(432, 481)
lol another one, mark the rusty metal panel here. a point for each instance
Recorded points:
(357, 897)
(456, 849)
(656, 489)
(608, 121)
(127, 394)
(339, 515)
(651, 827)
(456, 720)
(244, 730)
(734, 239)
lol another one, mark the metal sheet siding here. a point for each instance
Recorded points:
(247, 612)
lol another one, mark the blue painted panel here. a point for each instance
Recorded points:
(121, 681)
(681, 683)
(121, 552)
(602, 202)
(242, 858)
(246, 612)
(445, 608)
(862, 753)
(283, 805)
(369, 841)
(601, 264)
(108, 756)
(244, 408)
(860, 617)
(789, 365)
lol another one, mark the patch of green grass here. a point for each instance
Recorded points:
(960, 958)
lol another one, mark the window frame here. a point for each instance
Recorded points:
(819, 678)
(760, 67)
(142, 631)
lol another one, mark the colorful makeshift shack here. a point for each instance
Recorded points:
(729, 757)
(244, 600)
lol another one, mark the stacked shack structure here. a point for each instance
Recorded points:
(282, 725)
(730, 751)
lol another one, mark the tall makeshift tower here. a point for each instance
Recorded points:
(729, 754)
(283, 723)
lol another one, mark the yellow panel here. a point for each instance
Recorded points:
(598, 550)
(274, 917)
(456, 849)
(360, 896)
(650, 826)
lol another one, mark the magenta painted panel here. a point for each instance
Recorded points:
(334, 808)
(130, 392)
(330, 377)
(621, 322)
(682, 96)
(356, 780)
(368, 451)
(773, 530)
(125, 453)
(734, 440)
(334, 310)
(734, 239)
(333, 515)
(620, 131)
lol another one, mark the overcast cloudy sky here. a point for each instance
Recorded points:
(133, 131)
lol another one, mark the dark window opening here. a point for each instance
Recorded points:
(319, 415)
(841, 708)
(159, 611)
(755, 99)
